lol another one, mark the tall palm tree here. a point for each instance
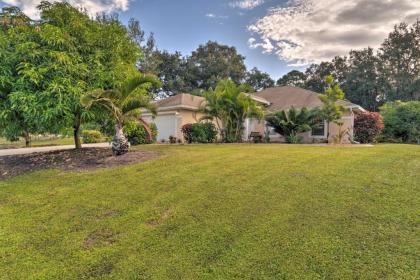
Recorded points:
(290, 123)
(229, 106)
(124, 102)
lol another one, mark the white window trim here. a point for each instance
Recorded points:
(321, 136)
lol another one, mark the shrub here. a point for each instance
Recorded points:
(154, 130)
(172, 139)
(402, 121)
(199, 132)
(367, 126)
(135, 133)
(92, 136)
(289, 123)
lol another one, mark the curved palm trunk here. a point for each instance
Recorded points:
(147, 129)
(119, 143)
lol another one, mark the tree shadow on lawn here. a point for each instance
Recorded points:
(69, 160)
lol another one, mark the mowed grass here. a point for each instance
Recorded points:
(38, 142)
(220, 212)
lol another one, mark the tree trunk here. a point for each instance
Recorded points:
(76, 132)
(119, 143)
(27, 137)
(147, 129)
(328, 132)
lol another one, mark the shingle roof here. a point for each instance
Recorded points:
(283, 98)
(182, 100)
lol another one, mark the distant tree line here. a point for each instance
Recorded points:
(371, 78)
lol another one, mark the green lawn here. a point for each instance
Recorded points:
(220, 212)
(38, 142)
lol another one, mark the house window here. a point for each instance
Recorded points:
(319, 130)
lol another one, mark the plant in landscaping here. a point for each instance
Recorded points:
(290, 123)
(136, 133)
(154, 130)
(172, 139)
(92, 136)
(402, 121)
(229, 106)
(199, 132)
(367, 126)
(123, 103)
(331, 111)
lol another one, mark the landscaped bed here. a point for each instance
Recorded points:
(219, 212)
(70, 160)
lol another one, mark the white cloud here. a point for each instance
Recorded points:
(266, 45)
(305, 31)
(92, 6)
(246, 4)
(210, 15)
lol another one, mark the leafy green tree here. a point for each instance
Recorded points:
(289, 123)
(362, 82)
(332, 111)
(18, 100)
(123, 103)
(294, 78)
(402, 121)
(229, 107)
(211, 63)
(400, 63)
(80, 54)
(170, 69)
(258, 80)
(316, 74)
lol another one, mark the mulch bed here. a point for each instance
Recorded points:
(69, 160)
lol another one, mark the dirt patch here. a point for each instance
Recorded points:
(162, 218)
(69, 160)
(99, 238)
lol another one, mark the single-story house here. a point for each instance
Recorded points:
(175, 111)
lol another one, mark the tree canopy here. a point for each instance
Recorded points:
(65, 55)
(258, 80)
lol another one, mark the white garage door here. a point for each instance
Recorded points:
(166, 125)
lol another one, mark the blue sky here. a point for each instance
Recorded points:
(183, 25)
(276, 36)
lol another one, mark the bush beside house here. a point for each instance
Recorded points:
(367, 126)
(199, 133)
(137, 135)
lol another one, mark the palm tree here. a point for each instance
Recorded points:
(229, 106)
(290, 123)
(124, 102)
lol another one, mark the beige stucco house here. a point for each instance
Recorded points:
(175, 111)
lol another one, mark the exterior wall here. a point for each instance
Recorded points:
(348, 120)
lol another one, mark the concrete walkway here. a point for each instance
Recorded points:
(22, 151)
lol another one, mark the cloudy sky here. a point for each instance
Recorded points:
(274, 35)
